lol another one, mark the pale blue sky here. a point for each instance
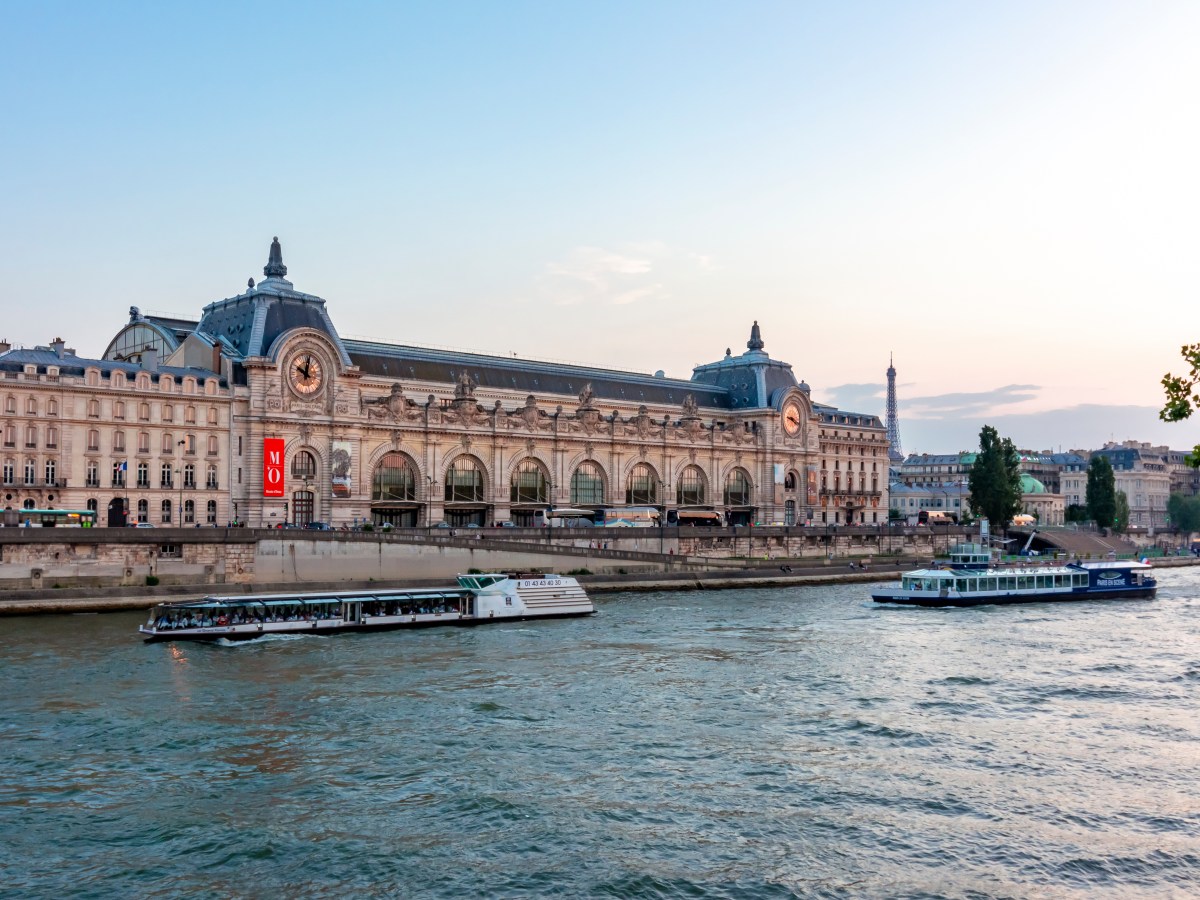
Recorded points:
(1002, 194)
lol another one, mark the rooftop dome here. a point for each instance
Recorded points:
(1030, 485)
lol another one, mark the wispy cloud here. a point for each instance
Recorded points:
(856, 397)
(964, 403)
(632, 273)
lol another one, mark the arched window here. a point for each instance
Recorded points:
(210, 513)
(143, 412)
(789, 512)
(93, 409)
(189, 415)
(189, 511)
(29, 504)
(143, 442)
(691, 487)
(587, 485)
(213, 446)
(529, 483)
(31, 407)
(143, 476)
(168, 413)
(52, 407)
(52, 438)
(31, 435)
(93, 504)
(394, 479)
(119, 409)
(304, 465)
(464, 481)
(166, 511)
(210, 481)
(118, 441)
(143, 512)
(10, 435)
(789, 481)
(10, 405)
(189, 476)
(642, 487)
(212, 415)
(168, 443)
(737, 488)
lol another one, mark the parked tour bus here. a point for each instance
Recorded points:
(932, 517)
(628, 517)
(564, 517)
(695, 517)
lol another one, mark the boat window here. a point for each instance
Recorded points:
(468, 582)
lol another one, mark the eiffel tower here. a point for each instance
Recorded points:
(895, 454)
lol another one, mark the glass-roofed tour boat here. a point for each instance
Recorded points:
(972, 580)
(476, 599)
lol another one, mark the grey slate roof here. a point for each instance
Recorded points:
(503, 373)
(16, 359)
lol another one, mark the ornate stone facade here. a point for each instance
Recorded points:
(414, 436)
(150, 444)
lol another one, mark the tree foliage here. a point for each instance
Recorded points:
(1121, 516)
(995, 480)
(1184, 512)
(1101, 491)
(1183, 394)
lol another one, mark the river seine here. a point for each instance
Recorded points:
(742, 744)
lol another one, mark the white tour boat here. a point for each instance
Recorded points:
(476, 599)
(972, 580)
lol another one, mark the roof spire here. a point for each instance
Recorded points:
(756, 341)
(275, 267)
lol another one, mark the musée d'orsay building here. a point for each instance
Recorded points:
(260, 412)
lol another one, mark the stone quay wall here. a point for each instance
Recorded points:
(35, 559)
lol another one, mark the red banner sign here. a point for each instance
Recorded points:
(272, 467)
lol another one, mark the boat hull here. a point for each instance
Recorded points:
(935, 600)
(253, 632)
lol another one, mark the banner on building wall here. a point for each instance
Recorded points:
(812, 487)
(342, 468)
(273, 467)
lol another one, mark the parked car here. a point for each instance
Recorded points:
(141, 524)
(319, 526)
(442, 525)
(506, 525)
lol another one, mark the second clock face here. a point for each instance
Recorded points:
(791, 419)
(305, 373)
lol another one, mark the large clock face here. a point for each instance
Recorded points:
(791, 419)
(304, 373)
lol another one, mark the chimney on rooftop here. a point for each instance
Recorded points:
(58, 345)
(150, 359)
(5, 346)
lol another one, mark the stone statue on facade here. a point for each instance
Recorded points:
(529, 416)
(464, 386)
(393, 405)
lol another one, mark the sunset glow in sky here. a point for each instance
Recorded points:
(1003, 195)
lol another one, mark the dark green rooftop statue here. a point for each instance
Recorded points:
(756, 341)
(275, 267)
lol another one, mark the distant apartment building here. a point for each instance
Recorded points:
(1143, 472)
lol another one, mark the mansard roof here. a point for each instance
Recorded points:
(68, 363)
(830, 415)
(751, 379)
(527, 376)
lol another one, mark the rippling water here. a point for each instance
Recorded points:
(758, 743)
